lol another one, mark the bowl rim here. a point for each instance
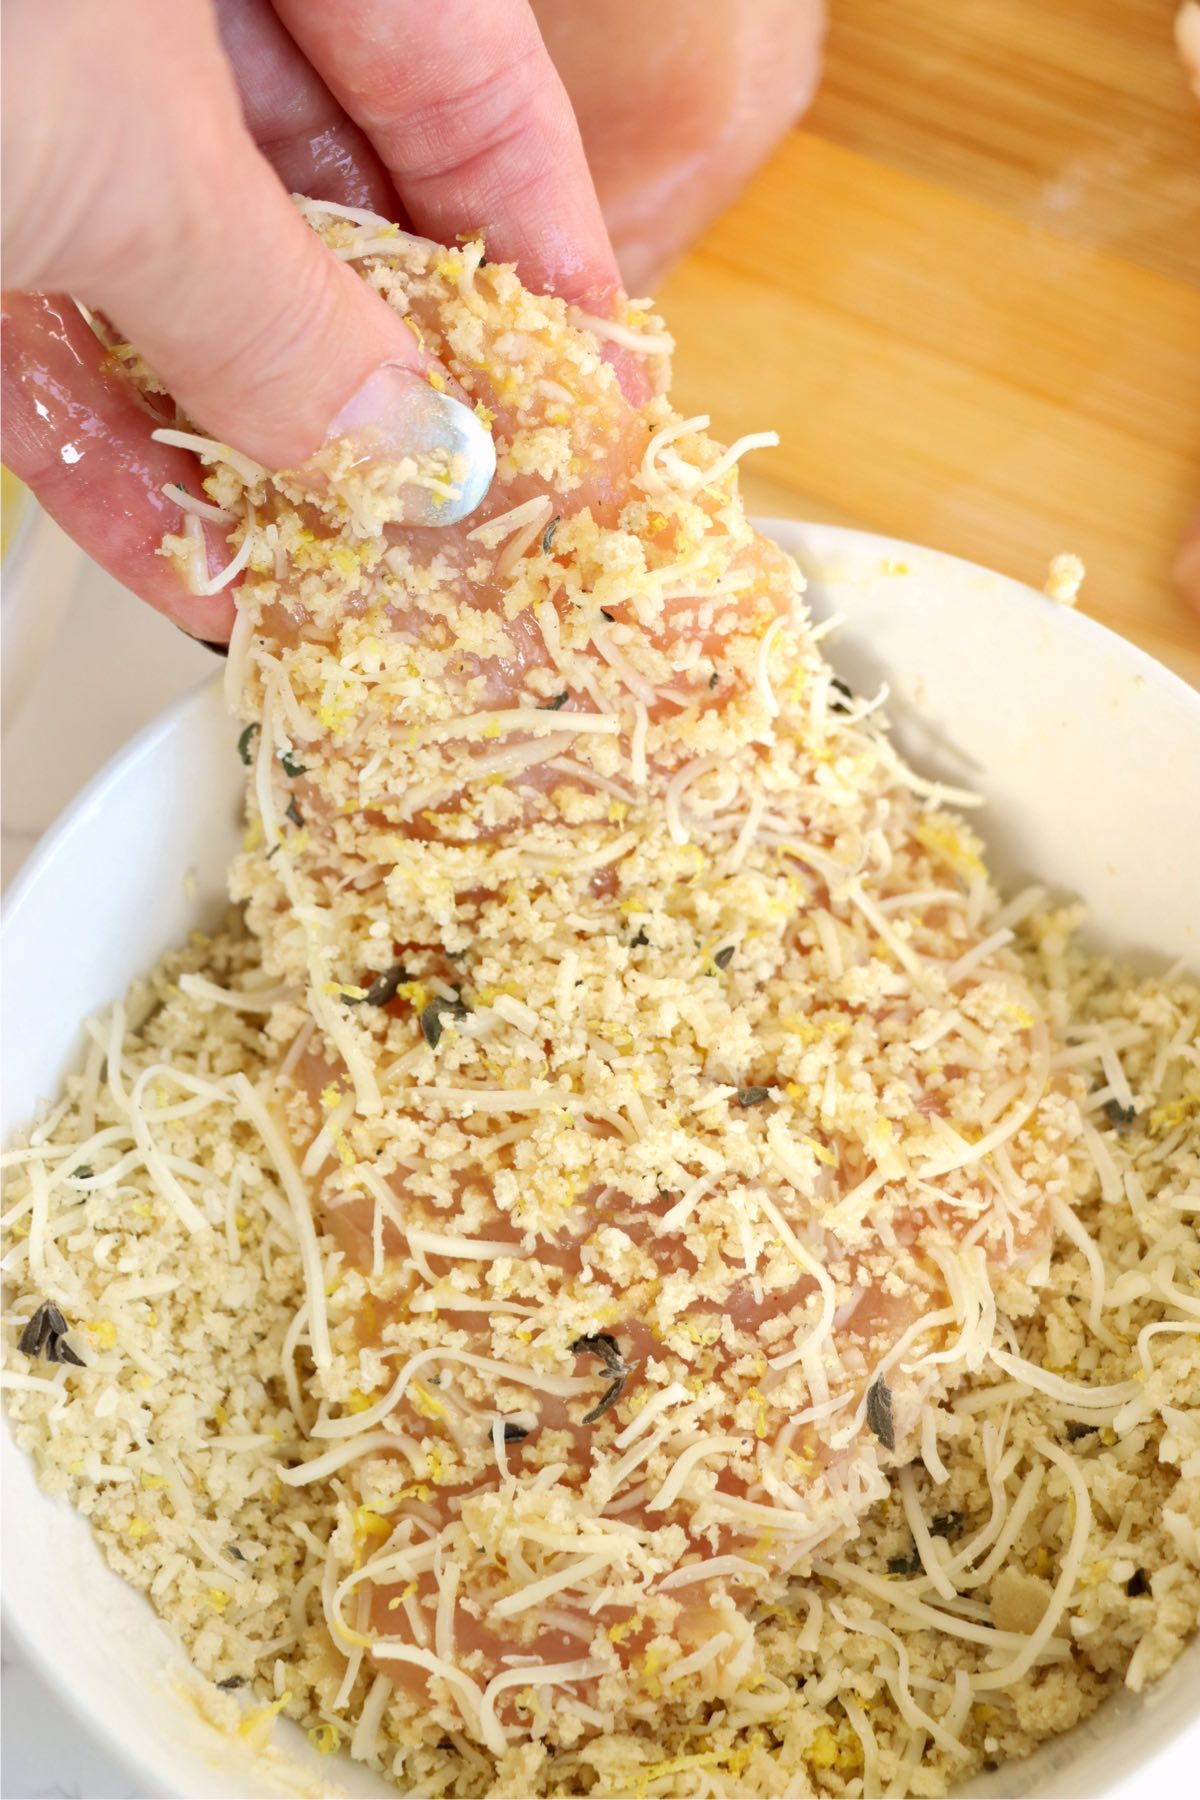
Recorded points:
(816, 536)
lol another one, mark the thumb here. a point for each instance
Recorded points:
(178, 230)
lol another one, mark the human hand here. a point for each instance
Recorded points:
(148, 149)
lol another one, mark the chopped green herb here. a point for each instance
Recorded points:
(879, 1412)
(608, 1399)
(245, 741)
(559, 700)
(1138, 1584)
(724, 957)
(293, 812)
(714, 679)
(235, 1553)
(905, 1565)
(515, 1434)
(45, 1335)
(603, 1344)
(947, 1525)
(291, 766)
(753, 1096)
(1077, 1429)
(548, 534)
(847, 694)
(433, 1015)
(640, 940)
(382, 990)
(274, 850)
(1119, 1115)
(84, 1172)
(230, 1682)
(33, 1339)
(605, 614)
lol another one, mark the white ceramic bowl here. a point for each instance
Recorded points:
(1084, 746)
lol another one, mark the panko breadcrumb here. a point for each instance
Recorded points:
(624, 1267)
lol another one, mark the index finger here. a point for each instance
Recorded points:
(464, 105)
(293, 118)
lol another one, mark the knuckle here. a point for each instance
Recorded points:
(278, 340)
(505, 111)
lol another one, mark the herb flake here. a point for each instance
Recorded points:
(382, 990)
(558, 702)
(291, 766)
(879, 1412)
(32, 1340)
(548, 534)
(293, 812)
(905, 1565)
(244, 742)
(603, 1344)
(435, 1013)
(45, 1335)
(515, 1434)
(753, 1096)
(846, 695)
(1119, 1115)
(947, 1525)
(724, 957)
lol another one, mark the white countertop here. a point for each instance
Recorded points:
(112, 667)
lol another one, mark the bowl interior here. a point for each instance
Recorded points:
(1080, 743)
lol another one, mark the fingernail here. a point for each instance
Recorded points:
(422, 457)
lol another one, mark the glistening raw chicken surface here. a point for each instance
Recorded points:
(648, 1048)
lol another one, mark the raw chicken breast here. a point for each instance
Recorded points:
(650, 1065)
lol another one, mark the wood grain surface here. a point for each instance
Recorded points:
(966, 291)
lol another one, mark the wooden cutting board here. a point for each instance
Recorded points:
(966, 291)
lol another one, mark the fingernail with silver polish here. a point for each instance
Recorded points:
(426, 451)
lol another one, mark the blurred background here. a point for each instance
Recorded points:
(966, 290)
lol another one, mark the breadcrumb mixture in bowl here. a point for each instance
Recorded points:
(624, 1267)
